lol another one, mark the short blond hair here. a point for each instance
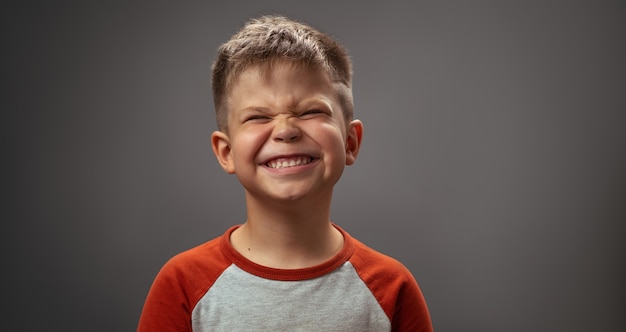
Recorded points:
(273, 38)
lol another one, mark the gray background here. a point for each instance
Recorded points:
(493, 164)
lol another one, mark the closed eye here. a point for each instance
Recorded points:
(311, 113)
(257, 118)
(315, 111)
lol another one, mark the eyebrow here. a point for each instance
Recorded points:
(317, 100)
(327, 102)
(254, 109)
(246, 111)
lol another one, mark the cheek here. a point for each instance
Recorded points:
(333, 138)
(332, 132)
(247, 142)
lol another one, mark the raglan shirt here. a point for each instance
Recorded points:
(212, 287)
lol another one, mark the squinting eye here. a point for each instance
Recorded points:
(256, 118)
(312, 112)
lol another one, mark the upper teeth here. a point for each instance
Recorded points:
(281, 163)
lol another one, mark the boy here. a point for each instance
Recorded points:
(283, 100)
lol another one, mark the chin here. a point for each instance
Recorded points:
(290, 197)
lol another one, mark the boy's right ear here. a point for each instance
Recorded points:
(220, 142)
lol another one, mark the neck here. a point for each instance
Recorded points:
(287, 235)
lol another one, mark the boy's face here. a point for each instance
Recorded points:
(287, 138)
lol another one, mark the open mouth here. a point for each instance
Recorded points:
(289, 162)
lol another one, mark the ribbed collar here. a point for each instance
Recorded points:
(287, 274)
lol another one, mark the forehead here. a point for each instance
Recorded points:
(267, 71)
(281, 78)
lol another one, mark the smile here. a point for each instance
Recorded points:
(288, 162)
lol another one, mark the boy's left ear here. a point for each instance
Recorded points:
(354, 135)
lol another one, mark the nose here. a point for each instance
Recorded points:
(286, 130)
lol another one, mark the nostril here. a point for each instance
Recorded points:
(287, 134)
(287, 138)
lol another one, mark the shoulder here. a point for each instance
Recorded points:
(194, 270)
(180, 283)
(202, 259)
(372, 263)
(394, 287)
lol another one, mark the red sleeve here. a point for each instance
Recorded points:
(179, 285)
(394, 287)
